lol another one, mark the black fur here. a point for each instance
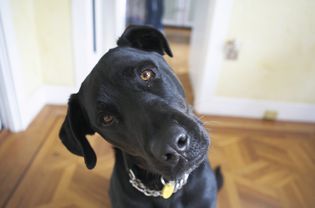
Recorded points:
(219, 177)
(154, 131)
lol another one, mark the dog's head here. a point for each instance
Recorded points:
(133, 99)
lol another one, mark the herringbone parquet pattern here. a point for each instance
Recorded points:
(264, 169)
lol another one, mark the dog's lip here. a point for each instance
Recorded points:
(194, 164)
(197, 162)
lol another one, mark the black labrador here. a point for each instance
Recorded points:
(133, 99)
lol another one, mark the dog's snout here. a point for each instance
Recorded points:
(170, 144)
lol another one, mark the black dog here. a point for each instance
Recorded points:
(133, 99)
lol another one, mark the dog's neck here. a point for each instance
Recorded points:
(149, 179)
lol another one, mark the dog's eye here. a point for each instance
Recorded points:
(108, 119)
(147, 75)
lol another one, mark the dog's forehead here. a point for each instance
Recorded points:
(122, 58)
(109, 69)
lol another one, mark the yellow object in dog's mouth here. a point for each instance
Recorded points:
(168, 190)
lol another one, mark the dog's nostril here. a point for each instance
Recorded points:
(168, 156)
(182, 142)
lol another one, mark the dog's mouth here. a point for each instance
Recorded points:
(196, 163)
(152, 176)
(182, 168)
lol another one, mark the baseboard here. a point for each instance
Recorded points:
(256, 108)
(31, 107)
(57, 94)
(47, 94)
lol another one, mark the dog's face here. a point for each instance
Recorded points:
(133, 99)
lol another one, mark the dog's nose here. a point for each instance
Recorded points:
(171, 153)
(170, 145)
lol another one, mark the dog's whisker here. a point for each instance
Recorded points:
(214, 123)
(201, 117)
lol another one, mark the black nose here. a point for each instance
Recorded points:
(170, 144)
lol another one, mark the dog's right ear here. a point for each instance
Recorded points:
(146, 38)
(73, 131)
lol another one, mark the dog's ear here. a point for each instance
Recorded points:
(73, 131)
(145, 38)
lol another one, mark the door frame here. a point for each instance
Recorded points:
(90, 30)
(11, 90)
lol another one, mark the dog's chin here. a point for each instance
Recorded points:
(182, 168)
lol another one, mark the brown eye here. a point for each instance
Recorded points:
(147, 75)
(108, 119)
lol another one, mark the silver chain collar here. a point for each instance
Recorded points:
(137, 183)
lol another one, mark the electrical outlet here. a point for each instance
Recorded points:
(270, 115)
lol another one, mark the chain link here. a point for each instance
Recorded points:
(137, 183)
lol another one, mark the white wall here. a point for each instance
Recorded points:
(54, 37)
(24, 26)
(277, 46)
(44, 42)
(275, 68)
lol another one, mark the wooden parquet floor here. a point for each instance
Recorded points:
(265, 164)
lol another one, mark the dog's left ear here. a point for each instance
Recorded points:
(73, 131)
(145, 38)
